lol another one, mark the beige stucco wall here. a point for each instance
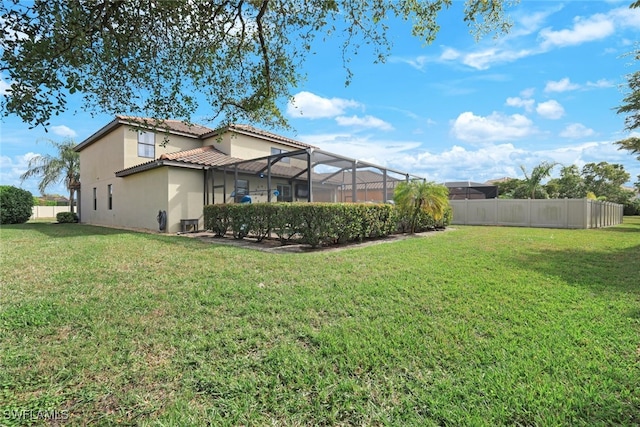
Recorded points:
(98, 164)
(136, 201)
(185, 197)
(249, 147)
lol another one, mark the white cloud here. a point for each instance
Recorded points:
(459, 163)
(378, 151)
(495, 127)
(12, 168)
(308, 105)
(449, 54)
(528, 23)
(596, 27)
(4, 87)
(627, 17)
(602, 83)
(550, 109)
(516, 44)
(483, 60)
(481, 163)
(516, 101)
(562, 85)
(501, 160)
(63, 130)
(366, 121)
(527, 93)
(576, 130)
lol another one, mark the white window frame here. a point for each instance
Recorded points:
(146, 144)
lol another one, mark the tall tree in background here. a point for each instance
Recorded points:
(570, 185)
(605, 180)
(158, 58)
(532, 182)
(52, 170)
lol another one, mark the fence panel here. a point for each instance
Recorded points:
(546, 213)
(47, 211)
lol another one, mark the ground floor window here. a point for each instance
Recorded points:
(241, 190)
(284, 193)
(95, 198)
(110, 196)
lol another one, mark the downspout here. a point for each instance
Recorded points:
(354, 190)
(309, 185)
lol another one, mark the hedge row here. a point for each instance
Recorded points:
(316, 224)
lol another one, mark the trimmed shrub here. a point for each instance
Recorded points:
(66, 217)
(216, 219)
(16, 205)
(282, 222)
(315, 224)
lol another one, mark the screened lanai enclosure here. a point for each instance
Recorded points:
(310, 175)
(466, 190)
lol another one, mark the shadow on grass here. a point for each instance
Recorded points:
(601, 271)
(55, 230)
(630, 224)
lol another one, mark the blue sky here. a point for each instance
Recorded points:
(454, 110)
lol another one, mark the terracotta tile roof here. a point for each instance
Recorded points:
(247, 129)
(167, 124)
(206, 156)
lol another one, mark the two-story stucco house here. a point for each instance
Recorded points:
(131, 170)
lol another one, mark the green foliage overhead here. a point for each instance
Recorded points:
(631, 102)
(158, 58)
(53, 169)
(16, 205)
(631, 144)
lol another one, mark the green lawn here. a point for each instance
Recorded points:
(477, 326)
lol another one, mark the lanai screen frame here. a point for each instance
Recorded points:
(313, 157)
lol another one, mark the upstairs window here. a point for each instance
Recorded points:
(146, 144)
(275, 151)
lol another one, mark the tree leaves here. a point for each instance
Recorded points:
(161, 58)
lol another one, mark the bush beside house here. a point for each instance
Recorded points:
(66, 217)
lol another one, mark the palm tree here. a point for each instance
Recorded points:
(52, 170)
(540, 172)
(415, 197)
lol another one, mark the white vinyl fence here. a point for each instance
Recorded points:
(547, 213)
(47, 211)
